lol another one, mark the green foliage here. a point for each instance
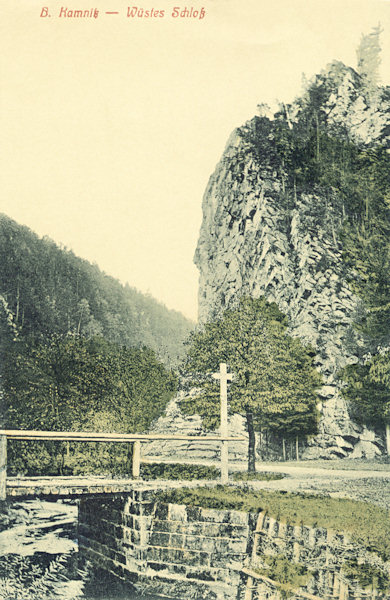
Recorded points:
(368, 576)
(289, 575)
(367, 524)
(23, 579)
(355, 184)
(367, 389)
(179, 471)
(313, 156)
(191, 472)
(274, 382)
(80, 384)
(51, 291)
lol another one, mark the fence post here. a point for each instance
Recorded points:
(136, 459)
(3, 466)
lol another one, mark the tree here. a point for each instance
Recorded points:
(367, 390)
(368, 58)
(74, 383)
(8, 334)
(275, 383)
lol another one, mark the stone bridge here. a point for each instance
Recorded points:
(178, 551)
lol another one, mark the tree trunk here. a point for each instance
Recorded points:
(297, 447)
(284, 448)
(251, 443)
(388, 439)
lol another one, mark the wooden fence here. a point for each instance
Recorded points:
(87, 436)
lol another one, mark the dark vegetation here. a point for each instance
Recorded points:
(368, 576)
(30, 578)
(367, 524)
(192, 472)
(78, 384)
(79, 351)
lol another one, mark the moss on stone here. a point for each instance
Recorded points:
(288, 575)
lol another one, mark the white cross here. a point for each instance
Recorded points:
(224, 377)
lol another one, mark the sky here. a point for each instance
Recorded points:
(112, 126)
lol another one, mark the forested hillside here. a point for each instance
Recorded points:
(79, 351)
(49, 291)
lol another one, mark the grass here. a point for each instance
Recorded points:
(366, 524)
(179, 471)
(289, 575)
(368, 576)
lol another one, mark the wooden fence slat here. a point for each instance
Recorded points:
(136, 459)
(3, 466)
(88, 436)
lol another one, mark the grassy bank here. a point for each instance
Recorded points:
(367, 524)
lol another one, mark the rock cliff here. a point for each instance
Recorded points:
(263, 235)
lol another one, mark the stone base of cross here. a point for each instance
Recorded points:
(224, 377)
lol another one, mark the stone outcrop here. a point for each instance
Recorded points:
(173, 422)
(256, 239)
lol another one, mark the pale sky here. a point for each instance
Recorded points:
(112, 126)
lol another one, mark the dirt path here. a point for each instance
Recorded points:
(363, 484)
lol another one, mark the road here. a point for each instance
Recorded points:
(368, 485)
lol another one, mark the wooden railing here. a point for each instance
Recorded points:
(87, 436)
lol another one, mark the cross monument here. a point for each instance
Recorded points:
(224, 377)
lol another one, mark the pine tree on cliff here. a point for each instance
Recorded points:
(368, 59)
(274, 384)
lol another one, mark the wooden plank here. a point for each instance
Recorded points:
(136, 459)
(224, 463)
(88, 436)
(3, 466)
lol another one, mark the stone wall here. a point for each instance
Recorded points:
(172, 550)
(178, 551)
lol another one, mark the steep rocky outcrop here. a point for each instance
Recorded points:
(257, 239)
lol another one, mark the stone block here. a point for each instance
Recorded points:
(170, 526)
(161, 511)
(178, 540)
(177, 512)
(228, 560)
(214, 515)
(147, 508)
(159, 539)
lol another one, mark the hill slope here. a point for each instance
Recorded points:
(50, 290)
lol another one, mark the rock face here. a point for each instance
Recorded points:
(198, 451)
(255, 241)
